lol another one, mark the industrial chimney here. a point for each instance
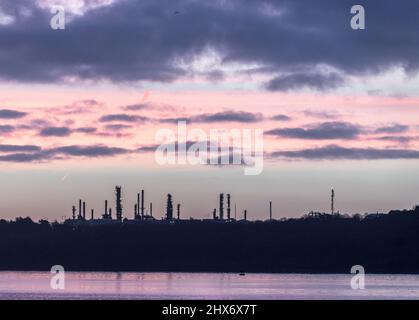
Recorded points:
(74, 212)
(228, 207)
(169, 208)
(221, 206)
(142, 203)
(118, 203)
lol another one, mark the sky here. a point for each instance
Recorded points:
(81, 108)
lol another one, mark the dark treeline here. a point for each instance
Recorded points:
(326, 244)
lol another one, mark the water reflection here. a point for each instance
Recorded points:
(121, 285)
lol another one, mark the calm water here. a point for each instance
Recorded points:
(101, 285)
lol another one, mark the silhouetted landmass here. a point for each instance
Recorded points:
(323, 244)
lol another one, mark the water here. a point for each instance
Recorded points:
(103, 285)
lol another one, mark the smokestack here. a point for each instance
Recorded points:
(245, 215)
(169, 207)
(270, 210)
(214, 214)
(178, 211)
(80, 214)
(142, 203)
(93, 214)
(151, 209)
(228, 207)
(221, 206)
(137, 211)
(106, 209)
(332, 200)
(118, 203)
(74, 212)
(84, 210)
(110, 213)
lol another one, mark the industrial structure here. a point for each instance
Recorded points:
(141, 215)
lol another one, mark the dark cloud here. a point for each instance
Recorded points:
(85, 130)
(281, 117)
(18, 148)
(136, 107)
(316, 81)
(6, 129)
(88, 151)
(399, 139)
(226, 116)
(334, 152)
(23, 157)
(122, 118)
(11, 114)
(36, 154)
(143, 40)
(323, 131)
(395, 128)
(55, 132)
(117, 127)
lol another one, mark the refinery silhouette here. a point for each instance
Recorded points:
(140, 213)
(317, 242)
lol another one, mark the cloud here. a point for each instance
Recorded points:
(6, 129)
(85, 130)
(117, 127)
(77, 107)
(323, 131)
(11, 114)
(321, 114)
(399, 139)
(316, 81)
(55, 132)
(88, 151)
(281, 117)
(149, 43)
(18, 148)
(333, 152)
(23, 157)
(136, 107)
(395, 128)
(225, 116)
(122, 118)
(36, 154)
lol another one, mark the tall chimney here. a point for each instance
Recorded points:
(228, 207)
(110, 213)
(93, 214)
(84, 210)
(221, 206)
(214, 214)
(137, 211)
(80, 213)
(245, 215)
(142, 203)
(118, 203)
(151, 209)
(74, 212)
(178, 211)
(270, 210)
(106, 209)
